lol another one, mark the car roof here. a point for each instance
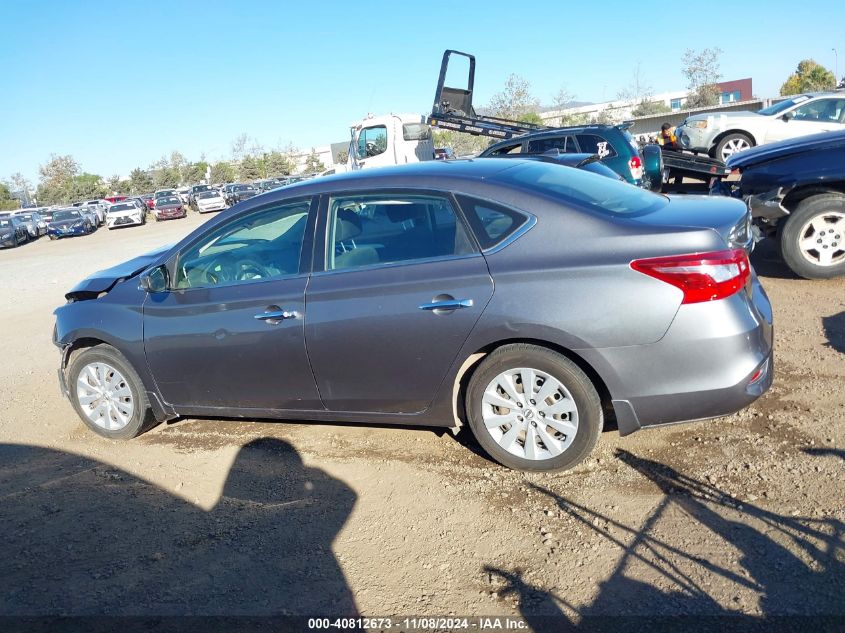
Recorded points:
(559, 131)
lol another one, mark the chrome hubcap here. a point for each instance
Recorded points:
(529, 413)
(733, 146)
(822, 240)
(104, 396)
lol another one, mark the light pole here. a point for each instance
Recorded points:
(835, 67)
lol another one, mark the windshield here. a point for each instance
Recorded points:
(66, 214)
(164, 201)
(121, 207)
(581, 188)
(208, 194)
(244, 188)
(24, 218)
(783, 105)
(197, 188)
(164, 192)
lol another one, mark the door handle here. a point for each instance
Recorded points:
(447, 304)
(275, 314)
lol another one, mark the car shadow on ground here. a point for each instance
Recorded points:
(834, 330)
(794, 564)
(84, 538)
(768, 262)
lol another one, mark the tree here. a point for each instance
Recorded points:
(222, 172)
(86, 186)
(278, 164)
(140, 181)
(461, 143)
(702, 72)
(57, 179)
(607, 116)
(343, 157)
(194, 172)
(239, 147)
(560, 100)
(313, 164)
(515, 100)
(7, 202)
(249, 169)
(646, 108)
(113, 184)
(638, 90)
(810, 76)
(531, 117)
(20, 183)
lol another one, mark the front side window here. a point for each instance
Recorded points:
(592, 144)
(821, 110)
(369, 230)
(372, 141)
(416, 132)
(262, 245)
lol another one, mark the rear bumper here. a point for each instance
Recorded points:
(715, 359)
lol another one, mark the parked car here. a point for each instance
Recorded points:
(587, 162)
(613, 144)
(70, 222)
(35, 224)
(722, 134)
(169, 208)
(162, 193)
(183, 194)
(533, 295)
(443, 153)
(239, 193)
(207, 201)
(149, 200)
(99, 207)
(195, 189)
(114, 199)
(796, 191)
(126, 213)
(13, 232)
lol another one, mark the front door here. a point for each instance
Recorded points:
(230, 331)
(811, 117)
(403, 287)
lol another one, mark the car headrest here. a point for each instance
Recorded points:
(348, 225)
(404, 212)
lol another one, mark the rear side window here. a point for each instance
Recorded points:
(416, 132)
(592, 144)
(516, 148)
(491, 223)
(564, 144)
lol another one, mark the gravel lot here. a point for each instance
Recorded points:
(745, 514)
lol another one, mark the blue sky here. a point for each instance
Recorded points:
(119, 84)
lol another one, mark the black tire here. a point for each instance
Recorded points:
(142, 417)
(52, 237)
(590, 416)
(734, 136)
(795, 227)
(15, 241)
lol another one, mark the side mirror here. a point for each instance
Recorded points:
(786, 117)
(155, 279)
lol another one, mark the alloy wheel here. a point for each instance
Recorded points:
(733, 146)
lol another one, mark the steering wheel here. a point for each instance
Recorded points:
(225, 268)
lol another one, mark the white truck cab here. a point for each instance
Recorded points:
(392, 139)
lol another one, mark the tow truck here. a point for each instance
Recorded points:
(453, 110)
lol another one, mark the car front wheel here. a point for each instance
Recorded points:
(731, 144)
(812, 241)
(108, 394)
(533, 409)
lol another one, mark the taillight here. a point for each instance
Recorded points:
(700, 276)
(636, 166)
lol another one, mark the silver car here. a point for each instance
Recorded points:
(722, 134)
(35, 224)
(525, 299)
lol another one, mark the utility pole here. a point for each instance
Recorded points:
(835, 67)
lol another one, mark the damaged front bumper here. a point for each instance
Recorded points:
(766, 210)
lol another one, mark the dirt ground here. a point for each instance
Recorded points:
(742, 515)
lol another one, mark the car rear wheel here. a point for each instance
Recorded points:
(108, 394)
(533, 409)
(812, 241)
(731, 144)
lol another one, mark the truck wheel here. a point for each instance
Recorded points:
(731, 144)
(812, 240)
(533, 409)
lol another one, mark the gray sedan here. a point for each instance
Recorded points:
(524, 299)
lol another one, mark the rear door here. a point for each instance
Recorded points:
(401, 287)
